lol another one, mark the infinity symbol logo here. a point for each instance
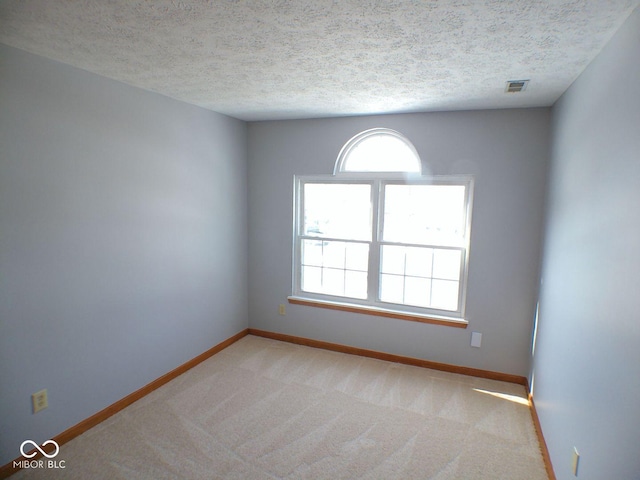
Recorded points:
(33, 454)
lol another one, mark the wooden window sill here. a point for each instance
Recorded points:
(380, 312)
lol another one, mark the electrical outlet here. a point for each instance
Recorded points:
(39, 400)
(282, 309)
(575, 461)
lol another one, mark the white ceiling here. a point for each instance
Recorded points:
(275, 59)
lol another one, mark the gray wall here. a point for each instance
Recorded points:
(506, 150)
(122, 240)
(587, 361)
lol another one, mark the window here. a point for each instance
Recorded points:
(384, 239)
(378, 150)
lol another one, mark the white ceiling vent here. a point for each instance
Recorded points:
(516, 86)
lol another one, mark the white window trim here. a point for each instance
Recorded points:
(372, 304)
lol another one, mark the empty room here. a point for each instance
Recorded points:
(320, 239)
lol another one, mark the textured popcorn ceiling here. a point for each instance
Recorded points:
(271, 59)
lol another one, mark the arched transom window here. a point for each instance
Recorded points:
(378, 150)
(380, 238)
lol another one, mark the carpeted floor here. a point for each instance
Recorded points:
(263, 409)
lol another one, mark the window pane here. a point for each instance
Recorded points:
(312, 252)
(446, 264)
(335, 268)
(392, 288)
(357, 256)
(424, 214)
(333, 281)
(444, 294)
(393, 258)
(337, 211)
(333, 254)
(355, 284)
(381, 153)
(422, 277)
(312, 279)
(417, 291)
(419, 261)
(415, 261)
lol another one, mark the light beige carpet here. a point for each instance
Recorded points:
(263, 409)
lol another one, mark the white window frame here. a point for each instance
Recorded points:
(373, 304)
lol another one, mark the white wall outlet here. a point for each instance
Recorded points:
(575, 460)
(476, 339)
(282, 309)
(39, 400)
